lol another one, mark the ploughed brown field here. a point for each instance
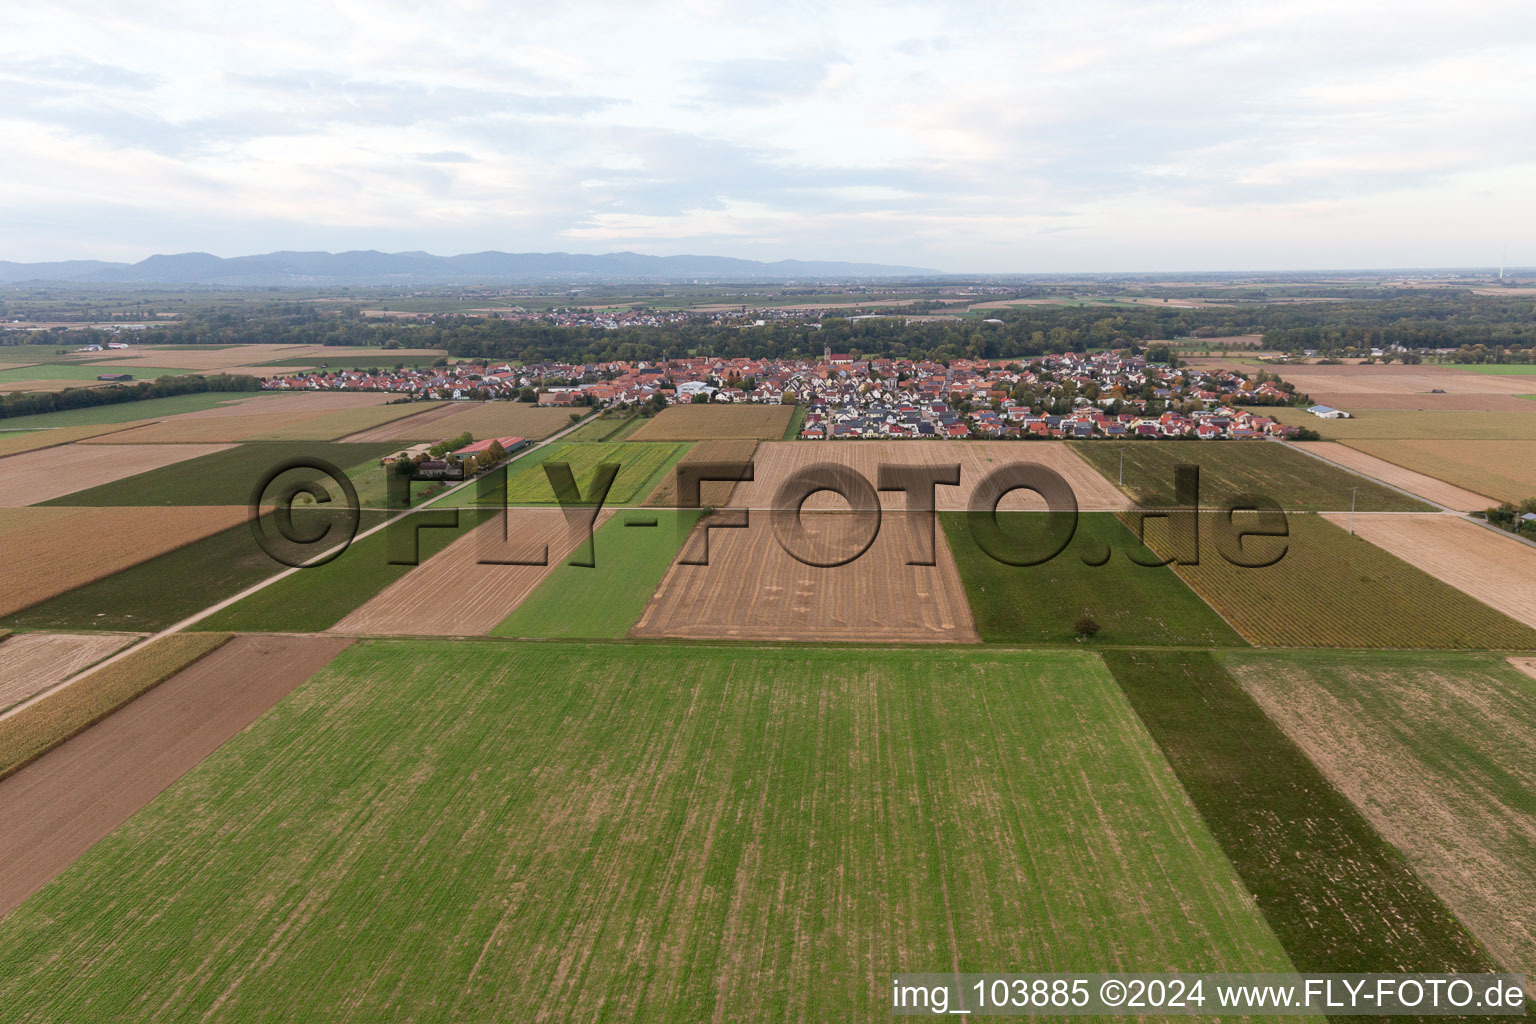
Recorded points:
(1435, 490)
(231, 358)
(1505, 470)
(51, 550)
(775, 462)
(54, 472)
(32, 662)
(1497, 570)
(452, 594)
(752, 589)
(72, 796)
(708, 422)
(1362, 379)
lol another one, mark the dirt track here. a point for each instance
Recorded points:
(54, 472)
(60, 805)
(453, 595)
(753, 589)
(776, 461)
(1439, 491)
(1496, 570)
(32, 662)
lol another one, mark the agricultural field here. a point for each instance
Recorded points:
(414, 428)
(53, 550)
(124, 412)
(49, 473)
(1483, 563)
(1333, 590)
(1230, 470)
(481, 419)
(79, 372)
(35, 440)
(455, 594)
(712, 493)
(271, 423)
(640, 469)
(1505, 470)
(313, 599)
(775, 462)
(1500, 369)
(607, 428)
(716, 421)
(1433, 750)
(1401, 424)
(1339, 896)
(260, 359)
(32, 662)
(1362, 379)
(603, 597)
(1132, 604)
(753, 589)
(784, 781)
(1449, 495)
(225, 477)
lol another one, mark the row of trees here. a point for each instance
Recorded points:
(33, 403)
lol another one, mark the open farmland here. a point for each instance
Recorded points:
(1380, 424)
(1362, 378)
(1230, 470)
(123, 412)
(52, 550)
(227, 358)
(34, 440)
(1334, 590)
(1433, 749)
(712, 493)
(180, 696)
(225, 477)
(1439, 491)
(76, 375)
(481, 419)
(1338, 896)
(1505, 470)
(54, 472)
(1040, 604)
(317, 423)
(775, 462)
(640, 469)
(1483, 563)
(602, 597)
(1425, 403)
(753, 589)
(708, 422)
(414, 428)
(454, 594)
(700, 802)
(9, 387)
(32, 662)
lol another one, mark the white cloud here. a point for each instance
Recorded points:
(1177, 135)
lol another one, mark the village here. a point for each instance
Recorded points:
(1071, 395)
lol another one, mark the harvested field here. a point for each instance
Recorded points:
(317, 424)
(330, 426)
(54, 472)
(1404, 423)
(415, 428)
(1359, 378)
(1434, 750)
(1438, 491)
(222, 358)
(1424, 403)
(487, 419)
(641, 468)
(1230, 470)
(753, 589)
(716, 421)
(123, 414)
(32, 662)
(72, 797)
(712, 493)
(454, 595)
(777, 461)
(32, 440)
(1496, 569)
(224, 429)
(1505, 470)
(10, 386)
(51, 550)
(1333, 590)
(496, 820)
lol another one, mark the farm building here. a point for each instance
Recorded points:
(508, 444)
(1328, 412)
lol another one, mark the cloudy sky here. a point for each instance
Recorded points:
(1014, 136)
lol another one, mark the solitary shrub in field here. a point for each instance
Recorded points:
(1086, 626)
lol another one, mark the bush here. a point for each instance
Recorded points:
(1086, 626)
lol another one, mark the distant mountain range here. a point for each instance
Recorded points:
(406, 268)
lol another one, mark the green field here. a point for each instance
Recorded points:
(1415, 423)
(164, 590)
(474, 830)
(604, 601)
(1498, 369)
(315, 599)
(125, 412)
(1133, 604)
(1230, 469)
(605, 428)
(640, 468)
(222, 478)
(82, 372)
(1333, 590)
(1434, 749)
(796, 421)
(1339, 896)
